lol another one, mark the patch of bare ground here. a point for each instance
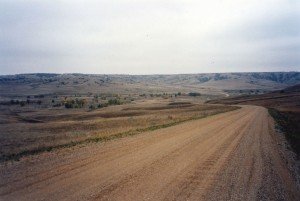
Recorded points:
(284, 107)
(229, 156)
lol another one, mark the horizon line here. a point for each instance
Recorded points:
(150, 74)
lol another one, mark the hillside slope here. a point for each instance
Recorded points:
(220, 84)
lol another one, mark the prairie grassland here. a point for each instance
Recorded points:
(32, 131)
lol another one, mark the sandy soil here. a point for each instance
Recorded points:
(230, 156)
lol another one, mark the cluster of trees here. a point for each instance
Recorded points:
(23, 103)
(115, 101)
(75, 103)
(28, 101)
(80, 103)
(162, 95)
(96, 98)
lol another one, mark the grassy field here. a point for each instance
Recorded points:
(32, 129)
(39, 112)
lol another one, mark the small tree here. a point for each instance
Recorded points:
(92, 107)
(68, 105)
(22, 103)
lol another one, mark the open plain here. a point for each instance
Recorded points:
(118, 137)
(229, 156)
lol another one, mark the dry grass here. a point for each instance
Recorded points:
(63, 128)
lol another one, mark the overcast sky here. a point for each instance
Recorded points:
(149, 36)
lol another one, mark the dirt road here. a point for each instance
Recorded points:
(230, 156)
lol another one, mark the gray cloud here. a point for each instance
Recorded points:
(141, 37)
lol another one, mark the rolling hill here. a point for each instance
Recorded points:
(220, 84)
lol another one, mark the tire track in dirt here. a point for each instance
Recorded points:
(63, 168)
(87, 163)
(229, 156)
(165, 163)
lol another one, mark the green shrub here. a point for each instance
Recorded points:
(194, 94)
(114, 102)
(101, 105)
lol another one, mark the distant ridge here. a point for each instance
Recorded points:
(204, 83)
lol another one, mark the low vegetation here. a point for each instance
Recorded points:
(42, 132)
(288, 122)
(194, 94)
(75, 103)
